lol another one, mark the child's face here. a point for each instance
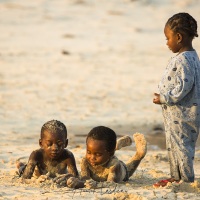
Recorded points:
(53, 144)
(172, 39)
(96, 153)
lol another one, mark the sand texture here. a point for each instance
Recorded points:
(86, 63)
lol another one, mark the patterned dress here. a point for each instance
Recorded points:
(180, 101)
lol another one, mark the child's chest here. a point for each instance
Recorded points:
(53, 168)
(99, 173)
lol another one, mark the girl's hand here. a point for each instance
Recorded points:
(156, 98)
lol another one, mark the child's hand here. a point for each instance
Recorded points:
(90, 184)
(43, 178)
(60, 179)
(156, 98)
(72, 182)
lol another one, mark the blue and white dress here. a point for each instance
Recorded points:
(180, 101)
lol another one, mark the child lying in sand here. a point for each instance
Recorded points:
(52, 159)
(100, 163)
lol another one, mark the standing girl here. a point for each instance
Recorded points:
(179, 96)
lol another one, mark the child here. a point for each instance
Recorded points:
(179, 96)
(100, 163)
(52, 157)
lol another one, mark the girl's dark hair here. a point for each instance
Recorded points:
(54, 126)
(183, 23)
(106, 134)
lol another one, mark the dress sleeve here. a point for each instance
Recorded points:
(183, 82)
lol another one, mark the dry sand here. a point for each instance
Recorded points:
(86, 63)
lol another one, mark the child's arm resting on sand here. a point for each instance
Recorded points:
(112, 176)
(28, 171)
(85, 173)
(75, 182)
(117, 173)
(71, 165)
(72, 171)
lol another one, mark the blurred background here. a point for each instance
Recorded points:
(85, 63)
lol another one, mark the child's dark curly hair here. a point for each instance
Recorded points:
(183, 23)
(54, 126)
(106, 134)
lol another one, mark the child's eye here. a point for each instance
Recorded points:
(88, 152)
(60, 144)
(49, 144)
(98, 154)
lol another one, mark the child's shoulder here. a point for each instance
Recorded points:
(113, 161)
(186, 59)
(36, 154)
(37, 151)
(68, 153)
(179, 59)
(186, 55)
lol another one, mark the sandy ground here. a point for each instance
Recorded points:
(86, 63)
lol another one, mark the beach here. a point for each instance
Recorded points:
(86, 63)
